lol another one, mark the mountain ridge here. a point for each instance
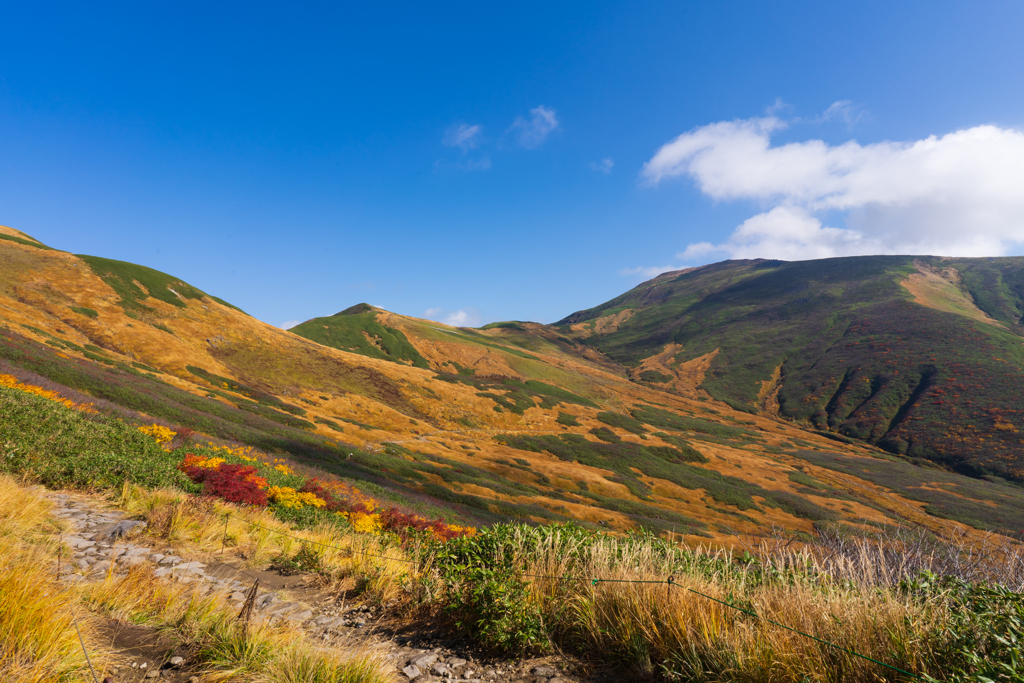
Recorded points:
(512, 421)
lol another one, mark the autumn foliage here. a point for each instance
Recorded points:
(242, 483)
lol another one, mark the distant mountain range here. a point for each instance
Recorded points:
(921, 356)
(713, 402)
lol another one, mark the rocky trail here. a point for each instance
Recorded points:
(104, 539)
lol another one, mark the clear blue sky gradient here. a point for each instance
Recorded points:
(289, 157)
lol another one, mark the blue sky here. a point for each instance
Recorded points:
(486, 162)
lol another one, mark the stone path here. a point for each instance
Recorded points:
(102, 539)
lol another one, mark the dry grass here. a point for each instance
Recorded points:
(655, 627)
(257, 537)
(38, 641)
(225, 648)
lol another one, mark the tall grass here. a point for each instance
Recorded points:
(860, 597)
(225, 648)
(38, 640)
(255, 534)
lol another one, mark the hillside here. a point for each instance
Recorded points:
(512, 421)
(921, 356)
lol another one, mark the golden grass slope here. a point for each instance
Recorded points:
(410, 406)
(943, 290)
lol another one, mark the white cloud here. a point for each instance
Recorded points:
(288, 324)
(604, 166)
(533, 131)
(464, 135)
(464, 317)
(843, 110)
(958, 194)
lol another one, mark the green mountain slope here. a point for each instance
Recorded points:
(919, 355)
(357, 329)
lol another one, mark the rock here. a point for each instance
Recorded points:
(300, 616)
(558, 679)
(544, 671)
(163, 571)
(79, 543)
(236, 596)
(136, 552)
(101, 566)
(118, 530)
(440, 669)
(412, 671)
(155, 557)
(177, 661)
(169, 560)
(455, 662)
(283, 608)
(424, 661)
(155, 673)
(189, 567)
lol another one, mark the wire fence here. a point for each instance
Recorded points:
(669, 583)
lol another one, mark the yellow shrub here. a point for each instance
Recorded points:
(159, 433)
(287, 497)
(363, 523)
(192, 460)
(13, 383)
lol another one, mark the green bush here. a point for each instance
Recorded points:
(622, 422)
(568, 420)
(983, 641)
(61, 447)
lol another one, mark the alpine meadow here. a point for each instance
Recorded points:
(779, 445)
(574, 342)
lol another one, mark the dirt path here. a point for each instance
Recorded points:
(103, 538)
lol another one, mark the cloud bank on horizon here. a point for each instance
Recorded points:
(464, 317)
(959, 194)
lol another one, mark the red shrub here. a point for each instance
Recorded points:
(233, 483)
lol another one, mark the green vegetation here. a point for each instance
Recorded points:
(357, 329)
(662, 462)
(330, 423)
(624, 422)
(983, 504)
(82, 310)
(689, 452)
(517, 395)
(27, 243)
(658, 417)
(655, 377)
(508, 325)
(239, 388)
(60, 447)
(860, 359)
(568, 420)
(593, 593)
(134, 283)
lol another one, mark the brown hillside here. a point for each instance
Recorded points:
(452, 414)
